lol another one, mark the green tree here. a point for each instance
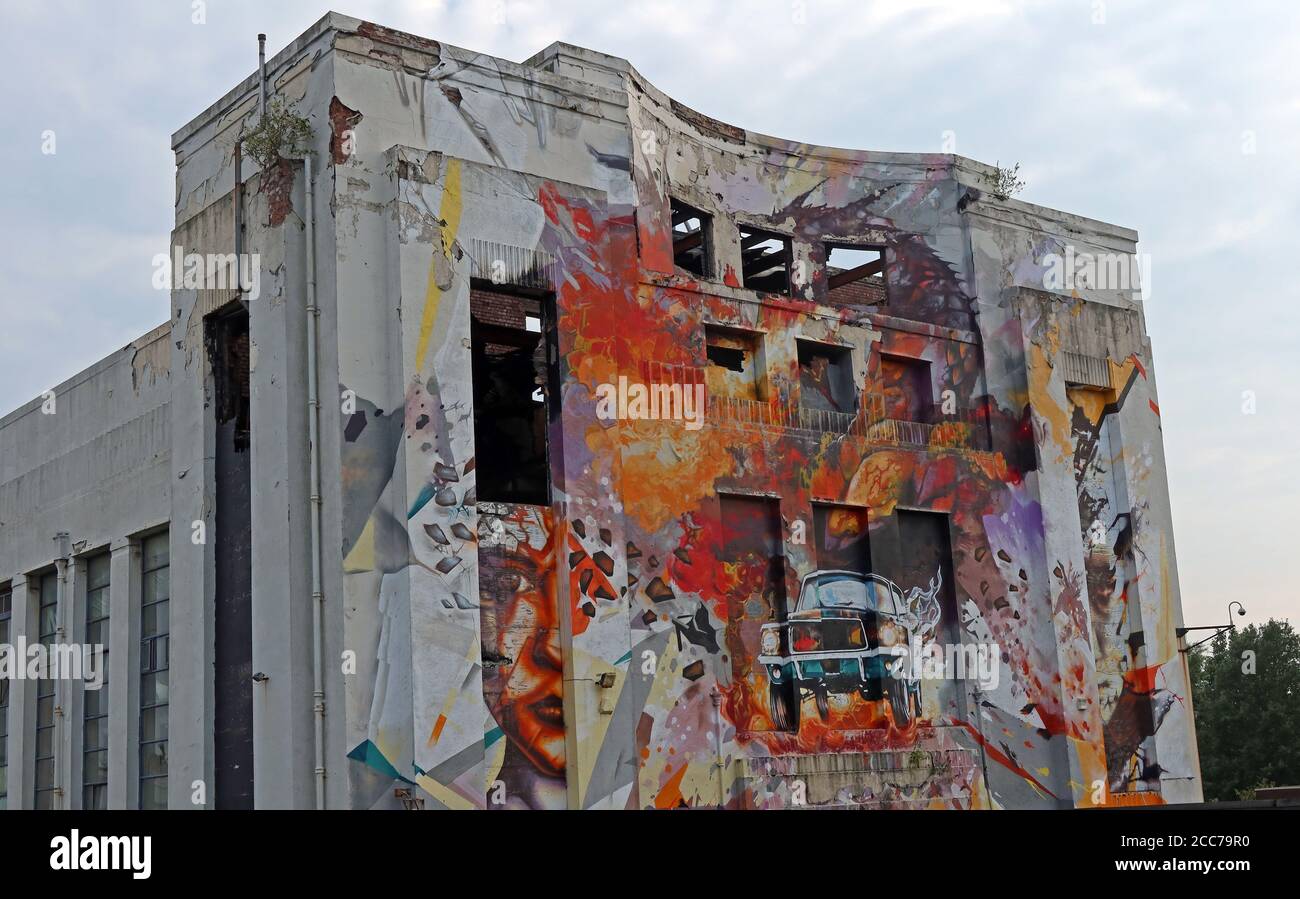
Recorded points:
(1246, 693)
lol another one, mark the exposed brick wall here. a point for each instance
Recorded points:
(866, 292)
(239, 362)
(503, 309)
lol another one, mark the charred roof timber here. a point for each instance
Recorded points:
(690, 239)
(765, 260)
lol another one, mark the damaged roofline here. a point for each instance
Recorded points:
(249, 86)
(333, 22)
(964, 170)
(160, 332)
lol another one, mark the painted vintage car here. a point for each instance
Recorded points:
(842, 637)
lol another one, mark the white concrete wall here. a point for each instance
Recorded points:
(95, 464)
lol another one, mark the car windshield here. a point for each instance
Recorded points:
(847, 592)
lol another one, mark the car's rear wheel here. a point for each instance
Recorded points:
(823, 701)
(899, 703)
(784, 706)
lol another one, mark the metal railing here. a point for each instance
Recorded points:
(962, 428)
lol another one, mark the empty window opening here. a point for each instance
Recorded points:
(729, 358)
(765, 259)
(855, 275)
(734, 363)
(690, 239)
(826, 377)
(94, 734)
(228, 352)
(514, 362)
(908, 392)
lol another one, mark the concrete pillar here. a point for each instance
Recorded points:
(22, 699)
(283, 715)
(192, 565)
(1072, 623)
(123, 675)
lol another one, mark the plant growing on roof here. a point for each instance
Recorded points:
(280, 132)
(1005, 182)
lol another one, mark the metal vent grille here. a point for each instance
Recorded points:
(502, 263)
(1086, 371)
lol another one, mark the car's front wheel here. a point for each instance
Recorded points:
(900, 703)
(784, 704)
(823, 701)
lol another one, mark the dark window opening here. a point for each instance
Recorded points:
(734, 367)
(908, 392)
(228, 350)
(826, 377)
(94, 733)
(514, 360)
(855, 275)
(232, 718)
(765, 259)
(841, 538)
(690, 239)
(729, 358)
(47, 628)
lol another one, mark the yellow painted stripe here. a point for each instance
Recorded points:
(449, 212)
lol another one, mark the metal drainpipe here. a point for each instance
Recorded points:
(60, 630)
(239, 220)
(716, 696)
(313, 418)
(261, 72)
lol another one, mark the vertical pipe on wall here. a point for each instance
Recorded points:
(313, 419)
(261, 74)
(239, 219)
(61, 600)
(716, 696)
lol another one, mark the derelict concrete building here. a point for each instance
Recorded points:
(569, 454)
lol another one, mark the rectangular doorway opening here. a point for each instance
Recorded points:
(228, 352)
(515, 367)
(753, 542)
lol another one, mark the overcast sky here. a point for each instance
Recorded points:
(1181, 120)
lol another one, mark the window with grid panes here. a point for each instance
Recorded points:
(94, 733)
(47, 629)
(154, 632)
(6, 611)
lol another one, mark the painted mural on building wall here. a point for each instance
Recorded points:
(644, 636)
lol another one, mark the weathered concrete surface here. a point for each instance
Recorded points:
(430, 163)
(93, 461)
